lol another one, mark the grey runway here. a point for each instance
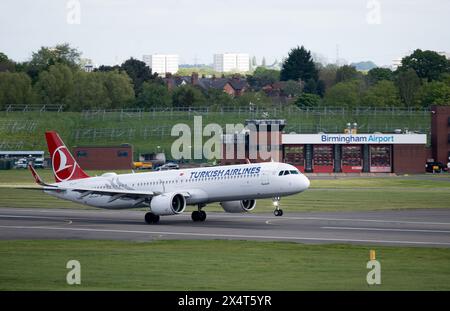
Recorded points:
(427, 228)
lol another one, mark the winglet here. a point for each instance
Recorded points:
(36, 177)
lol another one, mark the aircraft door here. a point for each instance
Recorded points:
(265, 178)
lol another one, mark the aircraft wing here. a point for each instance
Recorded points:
(111, 191)
(114, 193)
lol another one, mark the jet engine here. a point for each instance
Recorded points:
(238, 206)
(168, 204)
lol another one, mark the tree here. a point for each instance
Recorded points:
(15, 89)
(262, 77)
(263, 62)
(89, 92)
(328, 75)
(252, 99)
(6, 64)
(314, 87)
(408, 84)
(310, 86)
(188, 96)
(378, 74)
(445, 78)
(3, 57)
(47, 56)
(55, 86)
(346, 73)
(306, 100)
(154, 95)
(219, 98)
(139, 73)
(292, 88)
(299, 65)
(344, 94)
(382, 94)
(427, 64)
(434, 93)
(119, 89)
(106, 68)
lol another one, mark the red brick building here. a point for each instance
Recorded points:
(104, 158)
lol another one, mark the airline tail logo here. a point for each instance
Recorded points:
(64, 165)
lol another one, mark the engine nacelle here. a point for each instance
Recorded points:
(168, 204)
(238, 206)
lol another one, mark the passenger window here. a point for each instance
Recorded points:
(286, 172)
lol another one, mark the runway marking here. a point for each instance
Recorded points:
(29, 216)
(69, 222)
(269, 218)
(358, 220)
(232, 235)
(387, 229)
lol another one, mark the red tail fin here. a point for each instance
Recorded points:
(64, 165)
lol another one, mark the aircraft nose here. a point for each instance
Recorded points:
(304, 182)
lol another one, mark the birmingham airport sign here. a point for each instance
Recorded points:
(344, 139)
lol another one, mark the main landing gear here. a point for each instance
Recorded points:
(151, 218)
(278, 211)
(199, 215)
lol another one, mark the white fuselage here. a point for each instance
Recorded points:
(198, 185)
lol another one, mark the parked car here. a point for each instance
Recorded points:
(435, 167)
(21, 163)
(38, 163)
(167, 167)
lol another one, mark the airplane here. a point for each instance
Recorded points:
(235, 187)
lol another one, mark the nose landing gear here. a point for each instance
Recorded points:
(278, 211)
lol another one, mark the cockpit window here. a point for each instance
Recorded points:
(284, 173)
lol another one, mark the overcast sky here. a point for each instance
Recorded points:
(111, 31)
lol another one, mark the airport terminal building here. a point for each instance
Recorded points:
(350, 152)
(355, 153)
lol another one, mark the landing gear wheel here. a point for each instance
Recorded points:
(151, 218)
(195, 216)
(278, 211)
(202, 215)
(198, 216)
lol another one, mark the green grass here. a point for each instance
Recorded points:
(345, 194)
(217, 265)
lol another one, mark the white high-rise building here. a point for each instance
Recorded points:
(229, 62)
(162, 63)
